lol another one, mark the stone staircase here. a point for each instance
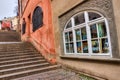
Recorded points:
(21, 61)
(9, 36)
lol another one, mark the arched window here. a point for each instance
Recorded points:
(87, 33)
(37, 18)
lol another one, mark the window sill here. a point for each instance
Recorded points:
(92, 58)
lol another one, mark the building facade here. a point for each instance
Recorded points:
(38, 28)
(0, 25)
(6, 25)
(15, 23)
(80, 34)
(87, 36)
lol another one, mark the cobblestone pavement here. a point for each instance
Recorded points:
(59, 74)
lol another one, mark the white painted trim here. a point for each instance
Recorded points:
(87, 25)
(88, 34)
(74, 35)
(9, 42)
(108, 34)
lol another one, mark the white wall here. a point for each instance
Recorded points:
(0, 26)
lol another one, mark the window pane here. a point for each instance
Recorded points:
(71, 36)
(85, 47)
(102, 29)
(79, 19)
(104, 46)
(78, 36)
(93, 30)
(69, 24)
(79, 49)
(84, 34)
(66, 37)
(37, 18)
(93, 15)
(71, 48)
(67, 47)
(95, 46)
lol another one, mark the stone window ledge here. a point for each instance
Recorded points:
(92, 58)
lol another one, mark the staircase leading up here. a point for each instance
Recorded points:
(18, 59)
(21, 61)
(9, 36)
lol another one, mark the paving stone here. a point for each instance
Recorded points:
(59, 74)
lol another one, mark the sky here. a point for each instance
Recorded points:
(7, 8)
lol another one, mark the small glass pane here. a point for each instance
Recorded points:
(71, 36)
(69, 25)
(93, 30)
(71, 48)
(83, 32)
(85, 47)
(93, 15)
(78, 37)
(66, 37)
(79, 19)
(67, 47)
(104, 46)
(79, 49)
(95, 46)
(102, 29)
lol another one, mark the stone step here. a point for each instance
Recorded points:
(18, 60)
(18, 54)
(18, 57)
(17, 51)
(58, 74)
(16, 46)
(28, 72)
(7, 66)
(9, 36)
(22, 68)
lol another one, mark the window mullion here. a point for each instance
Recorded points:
(108, 34)
(74, 35)
(88, 33)
(98, 38)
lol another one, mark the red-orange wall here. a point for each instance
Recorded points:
(43, 38)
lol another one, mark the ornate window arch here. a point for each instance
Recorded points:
(37, 18)
(87, 33)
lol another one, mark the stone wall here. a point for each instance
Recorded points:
(62, 12)
(103, 7)
(116, 8)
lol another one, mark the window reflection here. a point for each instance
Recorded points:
(69, 25)
(78, 34)
(77, 40)
(102, 29)
(83, 32)
(79, 19)
(95, 46)
(66, 37)
(93, 29)
(71, 36)
(85, 47)
(79, 47)
(104, 46)
(93, 15)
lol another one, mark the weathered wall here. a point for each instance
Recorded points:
(116, 7)
(24, 3)
(58, 8)
(42, 38)
(104, 69)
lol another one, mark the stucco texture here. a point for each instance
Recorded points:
(42, 38)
